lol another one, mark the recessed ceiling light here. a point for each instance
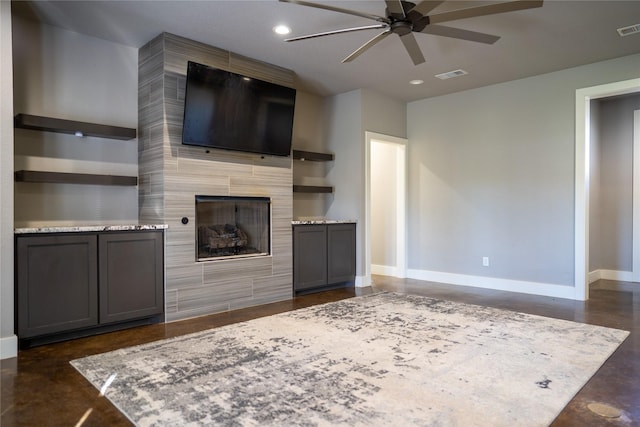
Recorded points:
(281, 29)
(416, 82)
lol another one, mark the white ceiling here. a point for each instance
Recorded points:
(561, 34)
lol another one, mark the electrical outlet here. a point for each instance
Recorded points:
(485, 261)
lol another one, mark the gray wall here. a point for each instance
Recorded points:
(614, 209)
(61, 74)
(8, 341)
(309, 135)
(348, 117)
(491, 173)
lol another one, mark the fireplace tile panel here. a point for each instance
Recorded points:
(177, 184)
(180, 50)
(188, 308)
(201, 296)
(230, 269)
(172, 174)
(215, 169)
(229, 290)
(250, 67)
(150, 61)
(257, 186)
(179, 253)
(171, 302)
(277, 287)
(184, 276)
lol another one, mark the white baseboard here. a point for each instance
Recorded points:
(362, 281)
(384, 270)
(8, 347)
(623, 276)
(519, 286)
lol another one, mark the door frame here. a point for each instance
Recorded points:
(401, 191)
(635, 252)
(582, 176)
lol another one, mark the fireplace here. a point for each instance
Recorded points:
(232, 227)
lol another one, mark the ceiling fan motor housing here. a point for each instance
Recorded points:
(401, 27)
(410, 21)
(406, 6)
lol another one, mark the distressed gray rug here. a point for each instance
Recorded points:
(379, 360)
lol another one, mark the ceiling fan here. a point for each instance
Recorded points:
(405, 18)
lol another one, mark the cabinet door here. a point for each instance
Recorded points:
(131, 275)
(57, 283)
(309, 256)
(341, 243)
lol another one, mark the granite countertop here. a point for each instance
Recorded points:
(89, 228)
(323, 221)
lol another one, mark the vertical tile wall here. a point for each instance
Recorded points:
(170, 175)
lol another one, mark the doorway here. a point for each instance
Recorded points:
(386, 205)
(582, 179)
(635, 273)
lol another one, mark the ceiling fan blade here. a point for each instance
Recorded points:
(426, 6)
(395, 8)
(413, 49)
(362, 49)
(329, 33)
(490, 9)
(338, 9)
(457, 33)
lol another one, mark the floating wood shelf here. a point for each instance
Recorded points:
(74, 178)
(49, 124)
(312, 189)
(312, 156)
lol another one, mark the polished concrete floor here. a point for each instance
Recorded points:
(40, 388)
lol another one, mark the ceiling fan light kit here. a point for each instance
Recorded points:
(404, 18)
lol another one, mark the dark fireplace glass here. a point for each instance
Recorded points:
(232, 227)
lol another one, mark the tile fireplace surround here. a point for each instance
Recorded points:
(171, 175)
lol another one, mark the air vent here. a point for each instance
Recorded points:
(627, 31)
(451, 74)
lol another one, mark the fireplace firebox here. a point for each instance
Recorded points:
(232, 227)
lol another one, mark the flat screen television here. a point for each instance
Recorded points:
(234, 112)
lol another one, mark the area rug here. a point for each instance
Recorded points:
(379, 360)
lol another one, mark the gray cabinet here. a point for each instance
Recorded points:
(131, 275)
(309, 256)
(341, 253)
(83, 281)
(324, 255)
(57, 279)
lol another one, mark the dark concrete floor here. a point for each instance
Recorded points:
(40, 388)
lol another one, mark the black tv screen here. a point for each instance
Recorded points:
(233, 112)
